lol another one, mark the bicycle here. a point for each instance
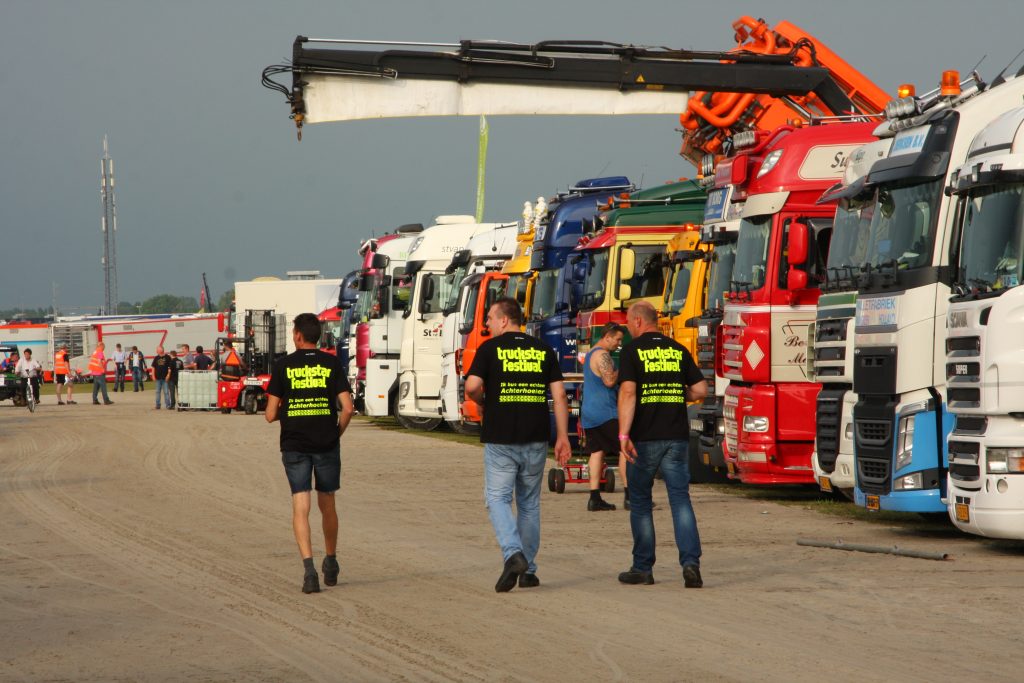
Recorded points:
(30, 394)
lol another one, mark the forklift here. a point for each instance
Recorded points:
(260, 346)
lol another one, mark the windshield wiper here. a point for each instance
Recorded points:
(979, 285)
(889, 270)
(737, 285)
(843, 277)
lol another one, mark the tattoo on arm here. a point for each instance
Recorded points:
(606, 367)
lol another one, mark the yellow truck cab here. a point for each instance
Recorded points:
(685, 286)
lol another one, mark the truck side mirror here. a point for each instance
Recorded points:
(625, 292)
(798, 251)
(428, 293)
(796, 279)
(380, 261)
(627, 264)
(366, 283)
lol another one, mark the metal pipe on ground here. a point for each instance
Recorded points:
(856, 547)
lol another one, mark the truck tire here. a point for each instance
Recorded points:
(460, 427)
(250, 403)
(423, 424)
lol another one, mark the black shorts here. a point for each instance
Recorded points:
(604, 437)
(300, 467)
(60, 379)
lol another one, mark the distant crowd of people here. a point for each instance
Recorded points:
(163, 368)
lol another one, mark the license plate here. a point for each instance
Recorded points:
(253, 382)
(825, 484)
(873, 503)
(963, 512)
(731, 467)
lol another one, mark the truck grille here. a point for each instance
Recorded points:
(968, 396)
(731, 428)
(873, 475)
(970, 344)
(873, 432)
(828, 419)
(962, 472)
(830, 350)
(973, 425)
(830, 330)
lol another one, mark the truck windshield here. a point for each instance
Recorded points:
(678, 287)
(901, 232)
(545, 295)
(366, 307)
(723, 258)
(449, 296)
(749, 270)
(597, 272)
(849, 235)
(516, 287)
(993, 223)
(468, 306)
(649, 272)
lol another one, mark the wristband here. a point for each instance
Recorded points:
(623, 437)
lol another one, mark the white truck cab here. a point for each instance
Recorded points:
(418, 400)
(485, 251)
(984, 365)
(380, 306)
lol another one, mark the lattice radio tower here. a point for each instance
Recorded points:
(108, 225)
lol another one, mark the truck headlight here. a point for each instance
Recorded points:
(721, 425)
(905, 442)
(755, 423)
(1004, 460)
(848, 432)
(403, 390)
(696, 426)
(908, 483)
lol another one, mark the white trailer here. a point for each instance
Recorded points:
(146, 332)
(287, 297)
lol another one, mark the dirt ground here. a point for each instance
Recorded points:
(143, 545)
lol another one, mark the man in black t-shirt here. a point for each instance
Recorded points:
(306, 388)
(162, 374)
(657, 376)
(510, 379)
(177, 365)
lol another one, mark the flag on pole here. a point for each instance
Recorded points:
(202, 300)
(481, 169)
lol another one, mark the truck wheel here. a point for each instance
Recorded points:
(460, 427)
(250, 403)
(609, 481)
(423, 424)
(559, 481)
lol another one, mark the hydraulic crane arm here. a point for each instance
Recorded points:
(554, 77)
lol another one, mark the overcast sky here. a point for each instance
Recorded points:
(210, 176)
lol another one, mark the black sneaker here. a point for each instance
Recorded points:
(311, 583)
(514, 566)
(108, 403)
(330, 569)
(529, 581)
(635, 576)
(598, 505)
(691, 576)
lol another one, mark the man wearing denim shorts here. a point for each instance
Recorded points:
(657, 377)
(510, 379)
(305, 391)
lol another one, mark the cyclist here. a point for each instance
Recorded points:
(30, 371)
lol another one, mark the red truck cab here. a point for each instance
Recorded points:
(780, 256)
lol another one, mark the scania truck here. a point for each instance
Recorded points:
(418, 400)
(485, 252)
(780, 257)
(830, 348)
(984, 366)
(903, 287)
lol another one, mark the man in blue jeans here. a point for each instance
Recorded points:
(510, 379)
(657, 377)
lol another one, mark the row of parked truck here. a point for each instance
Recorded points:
(847, 278)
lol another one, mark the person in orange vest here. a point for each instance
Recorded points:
(231, 366)
(62, 375)
(98, 369)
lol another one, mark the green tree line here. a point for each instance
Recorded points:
(161, 303)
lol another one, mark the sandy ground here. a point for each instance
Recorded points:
(143, 545)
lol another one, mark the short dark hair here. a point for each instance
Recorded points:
(308, 326)
(28, 351)
(511, 309)
(612, 328)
